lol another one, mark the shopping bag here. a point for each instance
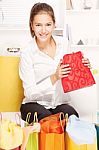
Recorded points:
(80, 76)
(71, 145)
(51, 141)
(32, 143)
(97, 129)
(11, 90)
(53, 123)
(11, 134)
(80, 131)
(51, 136)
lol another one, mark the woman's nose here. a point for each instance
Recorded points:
(43, 29)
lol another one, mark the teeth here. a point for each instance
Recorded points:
(43, 36)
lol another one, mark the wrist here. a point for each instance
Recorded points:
(53, 78)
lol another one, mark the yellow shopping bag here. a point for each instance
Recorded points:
(11, 91)
(51, 141)
(11, 134)
(70, 145)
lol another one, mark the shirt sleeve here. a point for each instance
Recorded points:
(32, 90)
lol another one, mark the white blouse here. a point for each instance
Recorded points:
(35, 69)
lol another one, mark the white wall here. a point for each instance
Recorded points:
(13, 39)
(84, 26)
(86, 100)
(14, 28)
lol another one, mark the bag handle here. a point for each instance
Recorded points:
(28, 119)
(16, 115)
(61, 115)
(66, 117)
(35, 118)
(19, 119)
(61, 120)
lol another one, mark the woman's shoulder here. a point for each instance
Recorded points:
(29, 47)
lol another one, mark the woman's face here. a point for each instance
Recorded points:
(43, 26)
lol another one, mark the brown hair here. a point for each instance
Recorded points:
(38, 8)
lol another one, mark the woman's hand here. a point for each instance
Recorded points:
(27, 131)
(34, 128)
(86, 62)
(61, 72)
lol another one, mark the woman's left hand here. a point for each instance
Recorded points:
(86, 62)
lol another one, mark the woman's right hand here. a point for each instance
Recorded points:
(61, 72)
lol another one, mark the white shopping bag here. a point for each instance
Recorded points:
(81, 132)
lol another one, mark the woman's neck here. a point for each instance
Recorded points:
(48, 47)
(44, 45)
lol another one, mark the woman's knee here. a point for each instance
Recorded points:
(70, 110)
(32, 108)
(65, 108)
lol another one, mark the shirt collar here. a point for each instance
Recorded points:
(56, 39)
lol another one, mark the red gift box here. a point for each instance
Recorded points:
(80, 76)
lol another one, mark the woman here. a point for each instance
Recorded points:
(41, 67)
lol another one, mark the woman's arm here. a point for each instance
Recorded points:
(32, 89)
(61, 72)
(27, 131)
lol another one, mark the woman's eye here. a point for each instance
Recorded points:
(37, 25)
(48, 24)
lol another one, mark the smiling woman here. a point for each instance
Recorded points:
(41, 67)
(42, 25)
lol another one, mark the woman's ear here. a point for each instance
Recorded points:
(55, 25)
(31, 25)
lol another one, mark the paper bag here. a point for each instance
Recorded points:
(32, 143)
(51, 136)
